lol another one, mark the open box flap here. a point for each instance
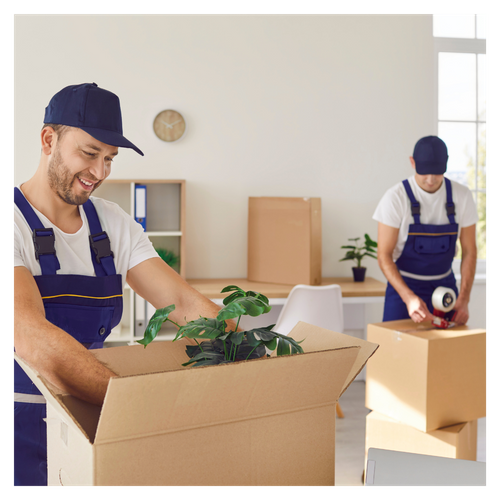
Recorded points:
(190, 398)
(158, 356)
(58, 400)
(318, 339)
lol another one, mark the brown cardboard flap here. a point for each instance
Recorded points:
(317, 339)
(137, 359)
(189, 398)
(55, 396)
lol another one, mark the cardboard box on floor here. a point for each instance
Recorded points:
(426, 377)
(269, 421)
(284, 240)
(456, 441)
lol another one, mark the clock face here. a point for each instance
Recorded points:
(169, 125)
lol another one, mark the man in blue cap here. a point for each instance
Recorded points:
(420, 221)
(73, 254)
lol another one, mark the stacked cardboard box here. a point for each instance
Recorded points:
(427, 388)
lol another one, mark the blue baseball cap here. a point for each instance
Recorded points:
(92, 109)
(430, 155)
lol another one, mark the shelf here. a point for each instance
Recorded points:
(165, 227)
(163, 233)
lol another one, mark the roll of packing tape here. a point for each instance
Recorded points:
(443, 299)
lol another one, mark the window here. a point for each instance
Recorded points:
(460, 47)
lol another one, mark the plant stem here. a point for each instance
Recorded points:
(178, 326)
(251, 352)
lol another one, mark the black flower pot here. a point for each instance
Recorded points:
(359, 273)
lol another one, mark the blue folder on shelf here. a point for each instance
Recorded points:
(140, 205)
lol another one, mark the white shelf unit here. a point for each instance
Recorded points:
(165, 227)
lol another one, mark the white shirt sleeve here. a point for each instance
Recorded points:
(392, 207)
(18, 245)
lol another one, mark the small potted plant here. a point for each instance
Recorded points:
(357, 252)
(220, 345)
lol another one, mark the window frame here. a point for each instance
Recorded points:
(463, 46)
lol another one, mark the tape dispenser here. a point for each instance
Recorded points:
(443, 302)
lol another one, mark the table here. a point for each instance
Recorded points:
(355, 295)
(370, 290)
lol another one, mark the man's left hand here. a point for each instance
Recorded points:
(462, 312)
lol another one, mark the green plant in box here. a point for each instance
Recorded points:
(219, 345)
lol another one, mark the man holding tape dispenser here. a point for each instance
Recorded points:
(420, 221)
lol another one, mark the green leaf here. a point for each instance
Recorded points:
(202, 328)
(154, 324)
(272, 344)
(232, 288)
(236, 337)
(252, 339)
(264, 335)
(243, 306)
(238, 292)
(348, 246)
(369, 241)
(206, 358)
(283, 347)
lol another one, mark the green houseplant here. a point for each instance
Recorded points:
(358, 252)
(219, 345)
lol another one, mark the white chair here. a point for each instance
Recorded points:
(317, 305)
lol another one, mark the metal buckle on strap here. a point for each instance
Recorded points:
(450, 208)
(415, 209)
(101, 247)
(44, 243)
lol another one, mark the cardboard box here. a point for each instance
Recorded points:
(269, 421)
(284, 240)
(426, 377)
(455, 441)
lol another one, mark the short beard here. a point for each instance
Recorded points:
(61, 181)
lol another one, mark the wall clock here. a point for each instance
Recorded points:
(169, 125)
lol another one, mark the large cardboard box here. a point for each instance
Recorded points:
(426, 377)
(455, 441)
(284, 240)
(269, 421)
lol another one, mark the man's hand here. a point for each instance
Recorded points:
(417, 309)
(462, 312)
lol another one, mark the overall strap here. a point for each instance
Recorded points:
(450, 206)
(100, 246)
(415, 205)
(43, 238)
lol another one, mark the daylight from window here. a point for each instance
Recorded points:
(460, 42)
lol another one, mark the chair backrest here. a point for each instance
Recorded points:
(318, 305)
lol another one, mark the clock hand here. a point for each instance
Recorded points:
(167, 124)
(176, 122)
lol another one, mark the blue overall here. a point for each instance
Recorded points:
(86, 307)
(428, 253)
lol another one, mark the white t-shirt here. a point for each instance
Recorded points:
(129, 243)
(394, 209)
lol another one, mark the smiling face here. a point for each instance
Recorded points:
(79, 165)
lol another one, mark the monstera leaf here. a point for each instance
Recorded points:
(220, 345)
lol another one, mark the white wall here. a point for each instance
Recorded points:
(326, 106)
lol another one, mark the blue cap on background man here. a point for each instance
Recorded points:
(94, 110)
(430, 155)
